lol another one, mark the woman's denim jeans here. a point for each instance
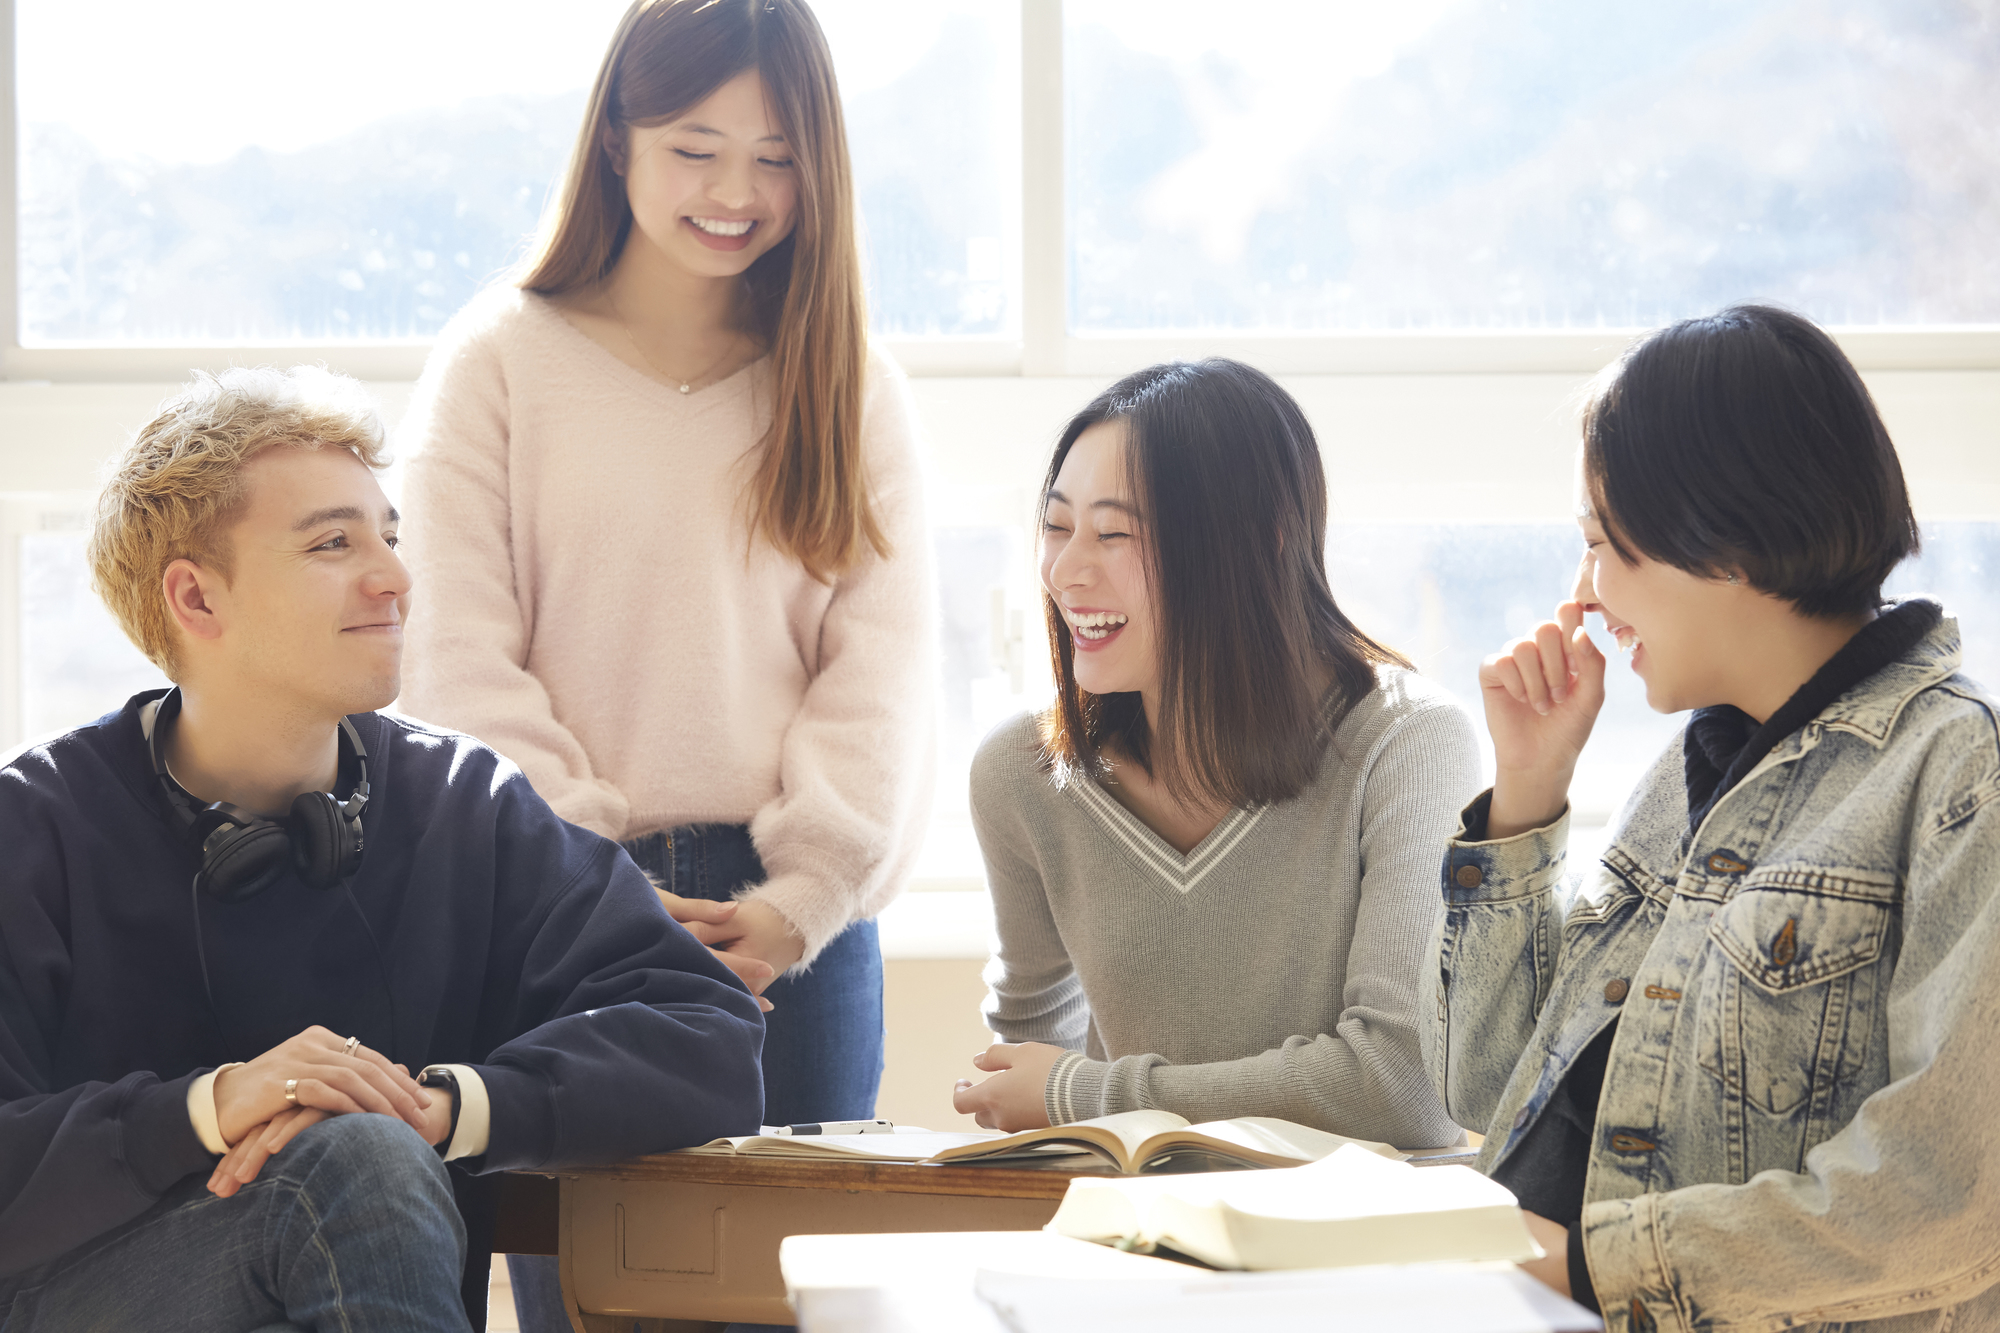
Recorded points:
(822, 1040)
(352, 1226)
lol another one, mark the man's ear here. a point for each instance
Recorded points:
(191, 593)
(614, 147)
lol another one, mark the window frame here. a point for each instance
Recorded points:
(1046, 347)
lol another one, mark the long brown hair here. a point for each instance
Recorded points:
(1226, 474)
(809, 497)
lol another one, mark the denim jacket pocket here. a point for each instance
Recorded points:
(1787, 997)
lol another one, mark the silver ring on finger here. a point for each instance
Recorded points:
(292, 1091)
(352, 1042)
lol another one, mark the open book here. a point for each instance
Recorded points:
(1135, 1141)
(906, 1144)
(1132, 1141)
(1353, 1207)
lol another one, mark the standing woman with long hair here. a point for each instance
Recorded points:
(666, 512)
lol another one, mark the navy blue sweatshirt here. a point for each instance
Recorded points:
(531, 949)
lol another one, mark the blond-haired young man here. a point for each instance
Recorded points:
(239, 913)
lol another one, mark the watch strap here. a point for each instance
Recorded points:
(441, 1076)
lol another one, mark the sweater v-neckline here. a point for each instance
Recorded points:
(631, 374)
(1180, 873)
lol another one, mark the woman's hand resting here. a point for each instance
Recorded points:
(1542, 694)
(751, 939)
(1012, 1099)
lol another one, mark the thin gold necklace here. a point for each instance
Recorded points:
(686, 385)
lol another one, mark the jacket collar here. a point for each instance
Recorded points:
(1871, 708)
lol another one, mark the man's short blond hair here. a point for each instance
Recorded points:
(173, 493)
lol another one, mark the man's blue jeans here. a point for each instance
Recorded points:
(822, 1040)
(350, 1227)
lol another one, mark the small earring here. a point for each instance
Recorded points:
(1733, 579)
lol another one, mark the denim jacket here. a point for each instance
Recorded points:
(1797, 1125)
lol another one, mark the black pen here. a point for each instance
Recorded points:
(838, 1127)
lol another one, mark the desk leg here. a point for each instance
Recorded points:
(637, 1248)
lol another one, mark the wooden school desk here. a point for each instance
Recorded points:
(695, 1237)
(678, 1236)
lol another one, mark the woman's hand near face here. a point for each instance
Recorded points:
(1542, 695)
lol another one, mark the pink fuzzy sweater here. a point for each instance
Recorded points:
(589, 602)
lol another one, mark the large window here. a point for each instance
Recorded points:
(1529, 164)
(241, 172)
(1040, 177)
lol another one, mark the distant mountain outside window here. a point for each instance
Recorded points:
(241, 171)
(1300, 165)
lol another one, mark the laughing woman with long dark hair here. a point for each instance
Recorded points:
(1212, 858)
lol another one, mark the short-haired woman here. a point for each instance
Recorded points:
(666, 507)
(1741, 1072)
(1211, 859)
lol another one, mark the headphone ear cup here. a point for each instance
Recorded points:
(324, 846)
(239, 860)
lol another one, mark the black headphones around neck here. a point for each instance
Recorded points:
(243, 853)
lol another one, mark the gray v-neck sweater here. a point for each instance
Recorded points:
(1273, 970)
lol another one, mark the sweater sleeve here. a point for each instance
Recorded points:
(623, 1035)
(473, 623)
(855, 771)
(1033, 992)
(1366, 1078)
(74, 1161)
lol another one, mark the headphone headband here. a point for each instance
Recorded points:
(242, 851)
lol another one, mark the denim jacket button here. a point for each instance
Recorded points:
(1469, 877)
(1522, 1118)
(1616, 989)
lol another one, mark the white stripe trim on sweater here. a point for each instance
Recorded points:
(1183, 874)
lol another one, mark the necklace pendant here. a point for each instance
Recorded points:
(684, 388)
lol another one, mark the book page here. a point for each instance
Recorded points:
(902, 1146)
(1260, 1139)
(1133, 1128)
(1353, 1207)
(1112, 1210)
(1114, 1137)
(1357, 1184)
